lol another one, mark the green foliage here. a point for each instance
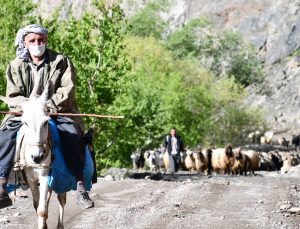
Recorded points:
(223, 53)
(228, 54)
(95, 45)
(234, 125)
(11, 10)
(156, 84)
(183, 42)
(147, 22)
(232, 122)
(164, 92)
(143, 104)
(296, 53)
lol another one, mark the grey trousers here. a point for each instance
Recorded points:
(7, 150)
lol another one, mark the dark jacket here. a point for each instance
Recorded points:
(168, 144)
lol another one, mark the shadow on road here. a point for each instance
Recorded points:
(176, 177)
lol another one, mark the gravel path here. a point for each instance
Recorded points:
(268, 200)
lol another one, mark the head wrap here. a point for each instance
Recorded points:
(21, 51)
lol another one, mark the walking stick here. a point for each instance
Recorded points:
(69, 114)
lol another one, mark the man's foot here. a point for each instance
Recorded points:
(5, 201)
(84, 201)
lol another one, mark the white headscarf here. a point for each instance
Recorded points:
(22, 51)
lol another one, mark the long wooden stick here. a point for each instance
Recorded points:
(68, 114)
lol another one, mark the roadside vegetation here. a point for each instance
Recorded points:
(191, 78)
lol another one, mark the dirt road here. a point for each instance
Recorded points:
(176, 201)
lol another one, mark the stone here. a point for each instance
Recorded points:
(285, 207)
(17, 214)
(294, 210)
(4, 220)
(109, 178)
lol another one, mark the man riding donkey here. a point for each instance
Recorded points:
(35, 63)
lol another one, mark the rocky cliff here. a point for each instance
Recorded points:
(273, 26)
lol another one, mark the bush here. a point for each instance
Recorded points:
(9, 11)
(156, 84)
(225, 54)
(95, 45)
(165, 92)
(183, 42)
(234, 125)
(229, 55)
(147, 22)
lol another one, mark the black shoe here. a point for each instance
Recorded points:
(84, 201)
(5, 201)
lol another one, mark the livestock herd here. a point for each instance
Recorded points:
(238, 161)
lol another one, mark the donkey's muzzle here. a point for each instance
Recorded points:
(38, 159)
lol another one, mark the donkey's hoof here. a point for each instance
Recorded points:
(60, 226)
(84, 201)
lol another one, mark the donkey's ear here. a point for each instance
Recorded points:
(12, 102)
(4, 99)
(48, 91)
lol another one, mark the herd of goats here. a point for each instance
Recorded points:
(265, 156)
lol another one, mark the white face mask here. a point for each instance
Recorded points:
(37, 50)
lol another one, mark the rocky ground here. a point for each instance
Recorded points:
(184, 200)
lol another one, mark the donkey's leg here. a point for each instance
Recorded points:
(62, 198)
(42, 210)
(35, 194)
(48, 197)
(32, 181)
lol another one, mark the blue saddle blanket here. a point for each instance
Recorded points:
(60, 178)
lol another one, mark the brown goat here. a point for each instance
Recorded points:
(254, 160)
(223, 160)
(205, 161)
(241, 164)
(189, 161)
(168, 163)
(197, 160)
(288, 162)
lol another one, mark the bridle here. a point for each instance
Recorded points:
(45, 145)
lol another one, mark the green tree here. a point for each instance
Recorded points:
(9, 11)
(228, 54)
(184, 41)
(225, 54)
(156, 84)
(95, 45)
(234, 125)
(162, 92)
(231, 120)
(147, 22)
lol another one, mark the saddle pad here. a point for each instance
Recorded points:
(60, 178)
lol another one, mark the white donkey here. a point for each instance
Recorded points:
(35, 153)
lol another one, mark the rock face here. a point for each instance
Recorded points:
(272, 26)
(47, 7)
